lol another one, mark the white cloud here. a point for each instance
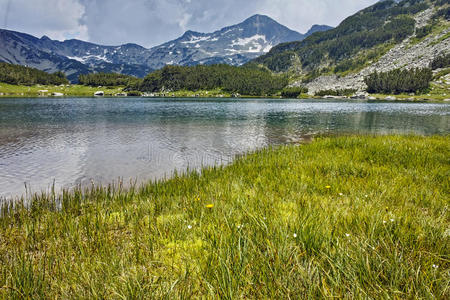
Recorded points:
(59, 19)
(151, 22)
(301, 15)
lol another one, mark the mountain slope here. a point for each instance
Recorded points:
(382, 37)
(317, 28)
(232, 45)
(73, 57)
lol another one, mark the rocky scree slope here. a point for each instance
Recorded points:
(407, 54)
(379, 38)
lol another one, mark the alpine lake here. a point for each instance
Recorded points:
(56, 143)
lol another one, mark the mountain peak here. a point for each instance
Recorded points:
(258, 17)
(190, 33)
(133, 45)
(233, 45)
(316, 28)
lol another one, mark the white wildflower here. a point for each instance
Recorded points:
(294, 235)
(189, 226)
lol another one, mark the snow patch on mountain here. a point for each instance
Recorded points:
(196, 39)
(245, 41)
(235, 45)
(87, 58)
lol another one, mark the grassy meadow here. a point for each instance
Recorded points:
(438, 92)
(10, 90)
(76, 90)
(347, 217)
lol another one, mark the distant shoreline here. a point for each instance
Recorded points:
(81, 91)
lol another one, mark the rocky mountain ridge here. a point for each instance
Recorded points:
(233, 45)
(388, 35)
(407, 54)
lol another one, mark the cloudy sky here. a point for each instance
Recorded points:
(152, 22)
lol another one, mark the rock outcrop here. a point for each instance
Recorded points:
(407, 54)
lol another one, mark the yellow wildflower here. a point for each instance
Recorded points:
(328, 187)
(209, 205)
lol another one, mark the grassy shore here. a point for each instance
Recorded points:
(8, 90)
(75, 90)
(438, 93)
(353, 217)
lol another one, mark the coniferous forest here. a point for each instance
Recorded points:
(400, 81)
(106, 79)
(242, 80)
(442, 61)
(20, 75)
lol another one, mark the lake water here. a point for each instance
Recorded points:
(74, 141)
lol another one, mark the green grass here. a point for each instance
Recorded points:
(201, 94)
(436, 29)
(8, 90)
(438, 92)
(441, 39)
(365, 58)
(434, 96)
(347, 217)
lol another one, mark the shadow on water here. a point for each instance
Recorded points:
(75, 141)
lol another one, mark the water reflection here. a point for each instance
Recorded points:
(76, 140)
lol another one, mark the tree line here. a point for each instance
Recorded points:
(106, 79)
(20, 75)
(442, 12)
(399, 81)
(341, 92)
(293, 92)
(442, 61)
(242, 80)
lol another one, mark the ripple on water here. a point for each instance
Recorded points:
(76, 140)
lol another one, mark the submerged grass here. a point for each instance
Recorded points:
(351, 217)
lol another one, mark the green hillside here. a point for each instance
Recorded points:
(359, 39)
(20, 75)
(242, 80)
